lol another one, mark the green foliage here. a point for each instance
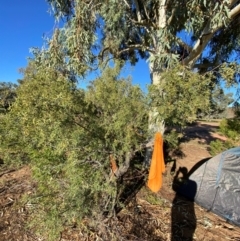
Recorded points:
(172, 139)
(179, 95)
(178, 32)
(123, 111)
(218, 146)
(229, 72)
(7, 95)
(144, 29)
(151, 197)
(219, 103)
(67, 135)
(236, 109)
(231, 129)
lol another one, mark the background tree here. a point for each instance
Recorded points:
(219, 104)
(230, 128)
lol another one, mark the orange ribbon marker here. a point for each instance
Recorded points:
(157, 165)
(114, 166)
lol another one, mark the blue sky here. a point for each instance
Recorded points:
(23, 24)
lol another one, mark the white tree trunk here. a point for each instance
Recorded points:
(156, 124)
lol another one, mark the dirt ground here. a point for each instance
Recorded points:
(149, 217)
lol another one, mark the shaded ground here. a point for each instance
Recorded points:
(153, 217)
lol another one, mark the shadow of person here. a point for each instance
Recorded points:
(183, 223)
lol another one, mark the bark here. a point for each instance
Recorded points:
(162, 14)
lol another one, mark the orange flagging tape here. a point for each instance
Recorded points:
(157, 165)
(113, 164)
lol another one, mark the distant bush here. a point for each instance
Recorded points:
(231, 129)
(218, 146)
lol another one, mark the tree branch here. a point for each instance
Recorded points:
(136, 47)
(235, 11)
(124, 168)
(206, 65)
(144, 23)
(131, 47)
(127, 4)
(145, 10)
(171, 17)
(205, 37)
(184, 45)
(139, 18)
(147, 25)
(120, 171)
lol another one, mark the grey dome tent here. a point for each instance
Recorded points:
(215, 185)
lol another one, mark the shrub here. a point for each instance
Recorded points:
(218, 146)
(68, 135)
(231, 129)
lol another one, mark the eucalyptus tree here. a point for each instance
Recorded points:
(198, 34)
